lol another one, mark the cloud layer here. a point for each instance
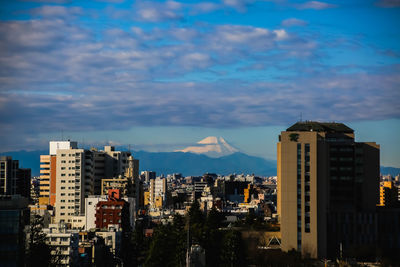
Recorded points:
(58, 74)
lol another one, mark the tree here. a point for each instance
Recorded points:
(232, 249)
(168, 245)
(38, 253)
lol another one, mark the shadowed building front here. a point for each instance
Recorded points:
(327, 188)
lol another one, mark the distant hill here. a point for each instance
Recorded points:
(195, 164)
(185, 163)
(174, 162)
(390, 170)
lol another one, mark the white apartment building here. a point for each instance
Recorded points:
(64, 244)
(74, 182)
(79, 173)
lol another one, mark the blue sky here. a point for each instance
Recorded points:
(160, 75)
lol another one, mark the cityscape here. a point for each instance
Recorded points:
(199, 133)
(92, 207)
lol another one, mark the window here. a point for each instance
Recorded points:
(63, 155)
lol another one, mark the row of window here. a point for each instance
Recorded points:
(71, 155)
(299, 196)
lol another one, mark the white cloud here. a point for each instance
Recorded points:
(56, 11)
(315, 5)
(293, 22)
(156, 11)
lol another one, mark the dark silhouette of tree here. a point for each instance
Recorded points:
(168, 245)
(233, 253)
(38, 252)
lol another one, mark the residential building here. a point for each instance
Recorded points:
(327, 188)
(388, 194)
(114, 211)
(91, 209)
(78, 175)
(158, 192)
(14, 218)
(48, 171)
(64, 244)
(14, 180)
(146, 176)
(74, 172)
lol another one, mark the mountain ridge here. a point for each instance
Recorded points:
(181, 162)
(211, 146)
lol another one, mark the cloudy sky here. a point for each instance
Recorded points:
(163, 74)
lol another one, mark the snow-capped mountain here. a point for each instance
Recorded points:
(211, 146)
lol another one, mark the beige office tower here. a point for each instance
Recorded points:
(327, 189)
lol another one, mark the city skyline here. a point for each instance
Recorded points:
(164, 75)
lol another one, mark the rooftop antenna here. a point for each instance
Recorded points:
(62, 135)
(301, 116)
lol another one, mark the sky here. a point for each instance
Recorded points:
(161, 75)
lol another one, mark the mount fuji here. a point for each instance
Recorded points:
(214, 147)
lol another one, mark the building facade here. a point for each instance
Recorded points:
(327, 187)
(14, 180)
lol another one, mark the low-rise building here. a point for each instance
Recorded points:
(64, 244)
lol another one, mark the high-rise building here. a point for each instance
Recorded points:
(327, 189)
(69, 174)
(108, 163)
(14, 180)
(74, 181)
(48, 171)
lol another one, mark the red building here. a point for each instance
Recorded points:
(112, 211)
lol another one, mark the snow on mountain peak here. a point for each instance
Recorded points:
(211, 146)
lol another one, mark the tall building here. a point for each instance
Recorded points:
(327, 189)
(108, 163)
(158, 192)
(74, 181)
(14, 180)
(48, 171)
(69, 174)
